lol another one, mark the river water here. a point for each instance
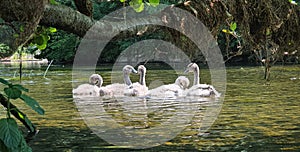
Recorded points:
(255, 115)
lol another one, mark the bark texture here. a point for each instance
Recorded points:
(65, 18)
(21, 19)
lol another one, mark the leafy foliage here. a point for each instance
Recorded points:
(61, 47)
(32, 103)
(14, 91)
(42, 36)
(154, 2)
(230, 42)
(113, 49)
(4, 49)
(53, 2)
(241, 32)
(4, 81)
(232, 26)
(103, 8)
(9, 133)
(11, 138)
(137, 5)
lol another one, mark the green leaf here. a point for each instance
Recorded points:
(52, 29)
(21, 115)
(140, 9)
(122, 1)
(9, 133)
(23, 146)
(25, 118)
(41, 41)
(232, 26)
(42, 47)
(137, 5)
(154, 3)
(53, 2)
(12, 93)
(38, 40)
(268, 31)
(20, 87)
(33, 104)
(21, 28)
(2, 146)
(4, 81)
(28, 122)
(16, 35)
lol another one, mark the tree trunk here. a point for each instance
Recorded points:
(22, 18)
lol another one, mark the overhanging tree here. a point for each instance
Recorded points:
(253, 19)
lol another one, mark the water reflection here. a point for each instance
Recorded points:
(254, 116)
(25, 64)
(141, 123)
(29, 69)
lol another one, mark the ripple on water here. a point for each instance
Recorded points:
(143, 120)
(254, 116)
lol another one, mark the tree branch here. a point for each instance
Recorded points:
(78, 23)
(67, 19)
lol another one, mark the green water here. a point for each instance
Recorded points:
(255, 116)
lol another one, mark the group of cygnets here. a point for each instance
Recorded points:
(177, 89)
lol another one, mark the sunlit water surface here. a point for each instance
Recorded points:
(255, 116)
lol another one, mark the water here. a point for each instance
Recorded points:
(255, 116)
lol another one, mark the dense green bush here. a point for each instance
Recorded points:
(61, 47)
(4, 49)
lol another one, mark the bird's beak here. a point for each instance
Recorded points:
(134, 71)
(186, 71)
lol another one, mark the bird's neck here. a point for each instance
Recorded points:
(142, 78)
(98, 85)
(196, 76)
(127, 80)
